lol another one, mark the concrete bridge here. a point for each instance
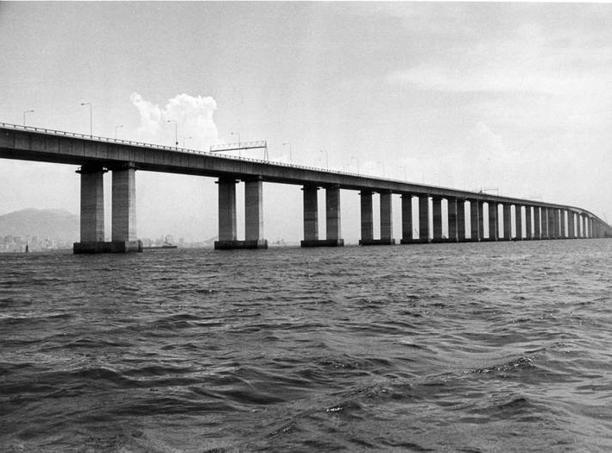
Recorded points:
(97, 155)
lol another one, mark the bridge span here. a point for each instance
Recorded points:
(97, 155)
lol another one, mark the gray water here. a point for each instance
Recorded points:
(468, 347)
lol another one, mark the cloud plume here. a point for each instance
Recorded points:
(195, 125)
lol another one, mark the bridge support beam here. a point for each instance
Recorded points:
(518, 217)
(437, 219)
(424, 218)
(475, 220)
(461, 234)
(386, 226)
(507, 222)
(528, 223)
(92, 210)
(537, 228)
(333, 218)
(452, 219)
(408, 236)
(493, 225)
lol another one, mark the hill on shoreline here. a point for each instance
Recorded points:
(54, 224)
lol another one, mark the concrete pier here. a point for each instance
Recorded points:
(537, 227)
(518, 216)
(437, 219)
(367, 218)
(386, 219)
(475, 221)
(92, 210)
(333, 217)
(311, 216)
(528, 223)
(507, 222)
(493, 225)
(227, 213)
(571, 228)
(124, 211)
(551, 224)
(424, 218)
(461, 234)
(408, 235)
(452, 219)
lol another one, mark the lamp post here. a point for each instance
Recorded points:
(24, 115)
(116, 128)
(356, 162)
(326, 158)
(238, 135)
(90, 117)
(290, 154)
(175, 131)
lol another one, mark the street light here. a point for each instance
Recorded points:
(24, 115)
(237, 134)
(326, 158)
(356, 162)
(175, 131)
(290, 155)
(90, 117)
(117, 127)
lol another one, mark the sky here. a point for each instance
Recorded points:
(511, 98)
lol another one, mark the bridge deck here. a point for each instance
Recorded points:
(45, 145)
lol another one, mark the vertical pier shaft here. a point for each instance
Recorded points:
(493, 225)
(474, 220)
(518, 215)
(452, 219)
(367, 222)
(507, 222)
(424, 218)
(437, 218)
(407, 228)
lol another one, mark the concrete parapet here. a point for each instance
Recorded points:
(235, 244)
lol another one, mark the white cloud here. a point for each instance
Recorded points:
(195, 125)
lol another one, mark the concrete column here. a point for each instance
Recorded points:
(92, 204)
(475, 220)
(253, 214)
(537, 227)
(481, 220)
(507, 222)
(332, 215)
(551, 224)
(518, 216)
(227, 210)
(452, 220)
(311, 213)
(437, 218)
(528, 226)
(461, 236)
(423, 218)
(407, 229)
(124, 210)
(386, 218)
(367, 227)
(493, 225)
(590, 227)
(570, 225)
(92, 210)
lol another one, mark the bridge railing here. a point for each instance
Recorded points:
(178, 149)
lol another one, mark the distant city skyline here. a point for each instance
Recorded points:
(509, 97)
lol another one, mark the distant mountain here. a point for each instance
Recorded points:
(55, 224)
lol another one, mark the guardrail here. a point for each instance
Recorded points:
(176, 149)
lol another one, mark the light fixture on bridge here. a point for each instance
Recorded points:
(90, 117)
(24, 115)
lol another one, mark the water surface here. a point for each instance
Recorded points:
(468, 347)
